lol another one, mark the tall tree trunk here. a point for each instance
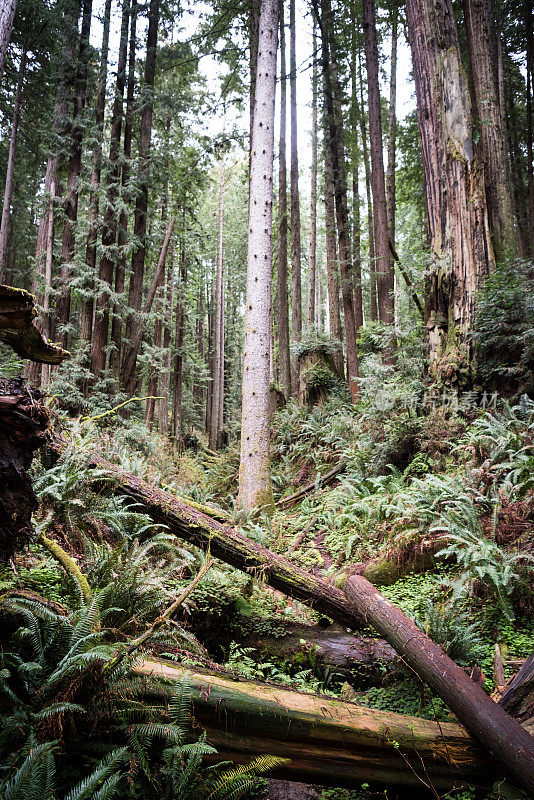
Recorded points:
(332, 278)
(530, 149)
(45, 373)
(355, 168)
(392, 127)
(459, 233)
(284, 359)
(135, 292)
(179, 343)
(254, 30)
(109, 223)
(383, 261)
(8, 187)
(370, 220)
(163, 403)
(296, 270)
(334, 142)
(70, 203)
(122, 238)
(254, 471)
(216, 421)
(130, 358)
(7, 15)
(88, 305)
(312, 260)
(483, 52)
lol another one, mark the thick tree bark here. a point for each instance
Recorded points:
(109, 223)
(495, 159)
(284, 358)
(7, 15)
(135, 290)
(384, 268)
(8, 186)
(312, 260)
(88, 305)
(254, 470)
(122, 237)
(327, 741)
(355, 169)
(482, 717)
(370, 221)
(217, 395)
(296, 269)
(70, 202)
(460, 240)
(392, 127)
(334, 142)
(163, 403)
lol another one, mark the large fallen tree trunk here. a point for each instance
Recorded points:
(328, 741)
(488, 722)
(518, 696)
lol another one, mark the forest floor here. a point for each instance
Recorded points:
(435, 508)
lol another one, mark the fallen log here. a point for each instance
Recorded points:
(485, 720)
(518, 696)
(223, 541)
(17, 328)
(328, 741)
(488, 723)
(319, 483)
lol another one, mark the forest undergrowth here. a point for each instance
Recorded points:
(435, 506)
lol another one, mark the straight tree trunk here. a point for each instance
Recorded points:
(296, 268)
(312, 260)
(70, 202)
(392, 128)
(8, 187)
(384, 267)
(135, 292)
(109, 223)
(334, 314)
(130, 358)
(460, 240)
(7, 15)
(334, 142)
(179, 344)
(122, 237)
(530, 148)
(254, 470)
(284, 359)
(355, 168)
(487, 109)
(88, 305)
(163, 403)
(370, 220)
(216, 420)
(45, 373)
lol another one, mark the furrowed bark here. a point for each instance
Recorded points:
(295, 243)
(7, 15)
(284, 358)
(328, 741)
(482, 717)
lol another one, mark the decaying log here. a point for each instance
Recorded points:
(488, 723)
(17, 328)
(328, 741)
(24, 423)
(484, 719)
(518, 697)
(319, 483)
(361, 660)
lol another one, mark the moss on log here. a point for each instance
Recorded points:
(328, 741)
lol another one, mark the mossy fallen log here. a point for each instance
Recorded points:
(329, 741)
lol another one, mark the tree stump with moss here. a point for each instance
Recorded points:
(318, 372)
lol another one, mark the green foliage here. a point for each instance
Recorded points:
(504, 329)
(452, 629)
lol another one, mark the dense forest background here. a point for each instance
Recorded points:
(266, 344)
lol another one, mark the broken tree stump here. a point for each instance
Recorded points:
(18, 329)
(24, 425)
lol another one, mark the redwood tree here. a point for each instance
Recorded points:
(284, 362)
(459, 234)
